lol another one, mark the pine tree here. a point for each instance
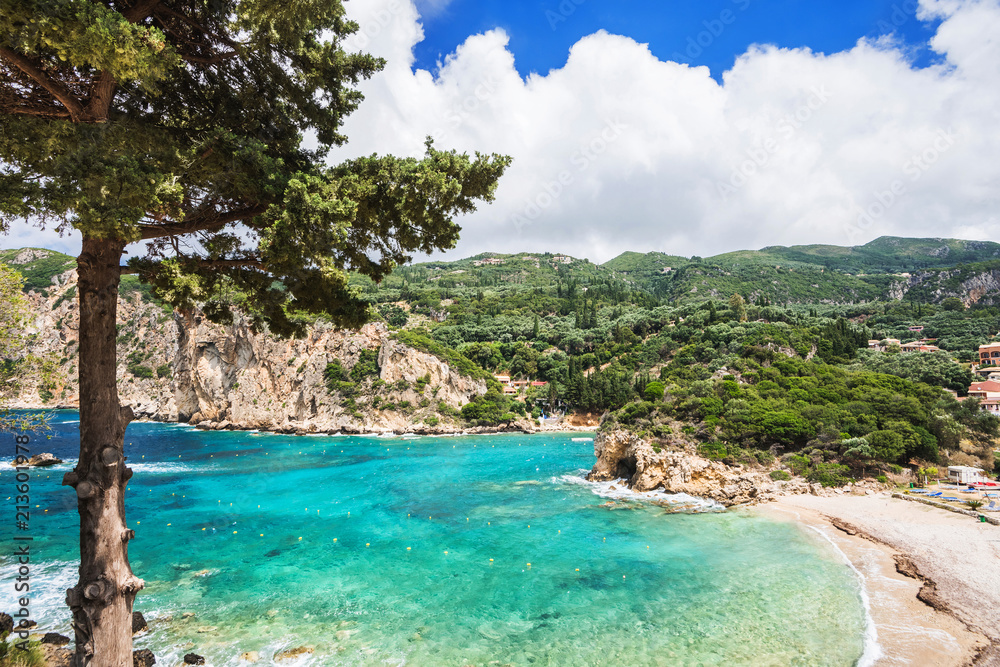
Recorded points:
(534, 332)
(181, 123)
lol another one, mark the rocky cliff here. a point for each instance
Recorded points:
(180, 367)
(971, 285)
(676, 468)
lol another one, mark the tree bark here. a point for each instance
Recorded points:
(102, 600)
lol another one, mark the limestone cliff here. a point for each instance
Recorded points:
(180, 367)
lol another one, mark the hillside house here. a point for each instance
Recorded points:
(985, 390)
(919, 346)
(989, 354)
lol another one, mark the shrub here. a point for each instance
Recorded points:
(780, 475)
(882, 479)
(714, 450)
(163, 371)
(829, 474)
(142, 372)
(366, 367)
(394, 315)
(431, 421)
(654, 391)
(974, 504)
(455, 360)
(333, 374)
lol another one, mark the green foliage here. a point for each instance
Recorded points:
(39, 272)
(455, 360)
(333, 374)
(366, 366)
(163, 371)
(934, 368)
(431, 421)
(12, 655)
(140, 371)
(492, 409)
(68, 295)
(780, 475)
(654, 391)
(394, 315)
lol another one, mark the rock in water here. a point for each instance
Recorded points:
(6, 624)
(55, 639)
(143, 658)
(194, 659)
(39, 461)
(138, 623)
(293, 653)
(250, 656)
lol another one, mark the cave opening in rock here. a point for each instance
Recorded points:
(626, 468)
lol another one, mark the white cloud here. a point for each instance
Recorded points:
(618, 150)
(792, 147)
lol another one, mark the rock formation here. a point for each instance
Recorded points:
(676, 468)
(180, 367)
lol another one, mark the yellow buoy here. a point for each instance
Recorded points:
(577, 569)
(529, 565)
(234, 532)
(445, 553)
(407, 548)
(367, 544)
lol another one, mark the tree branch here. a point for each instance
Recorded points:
(140, 10)
(244, 263)
(55, 88)
(199, 223)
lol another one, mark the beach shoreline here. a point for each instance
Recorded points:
(930, 578)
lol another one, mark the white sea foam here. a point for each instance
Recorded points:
(682, 501)
(164, 468)
(872, 649)
(49, 581)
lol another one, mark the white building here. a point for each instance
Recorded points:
(966, 475)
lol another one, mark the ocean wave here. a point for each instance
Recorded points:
(872, 651)
(165, 468)
(49, 581)
(618, 490)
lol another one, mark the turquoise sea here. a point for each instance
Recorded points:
(416, 551)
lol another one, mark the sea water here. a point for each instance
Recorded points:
(479, 550)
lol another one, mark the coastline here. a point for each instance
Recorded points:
(564, 425)
(930, 578)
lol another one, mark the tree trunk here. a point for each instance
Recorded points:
(102, 600)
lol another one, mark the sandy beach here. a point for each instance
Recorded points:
(931, 577)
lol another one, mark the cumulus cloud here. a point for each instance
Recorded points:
(618, 150)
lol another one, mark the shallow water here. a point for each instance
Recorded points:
(391, 551)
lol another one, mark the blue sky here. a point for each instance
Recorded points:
(850, 121)
(697, 32)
